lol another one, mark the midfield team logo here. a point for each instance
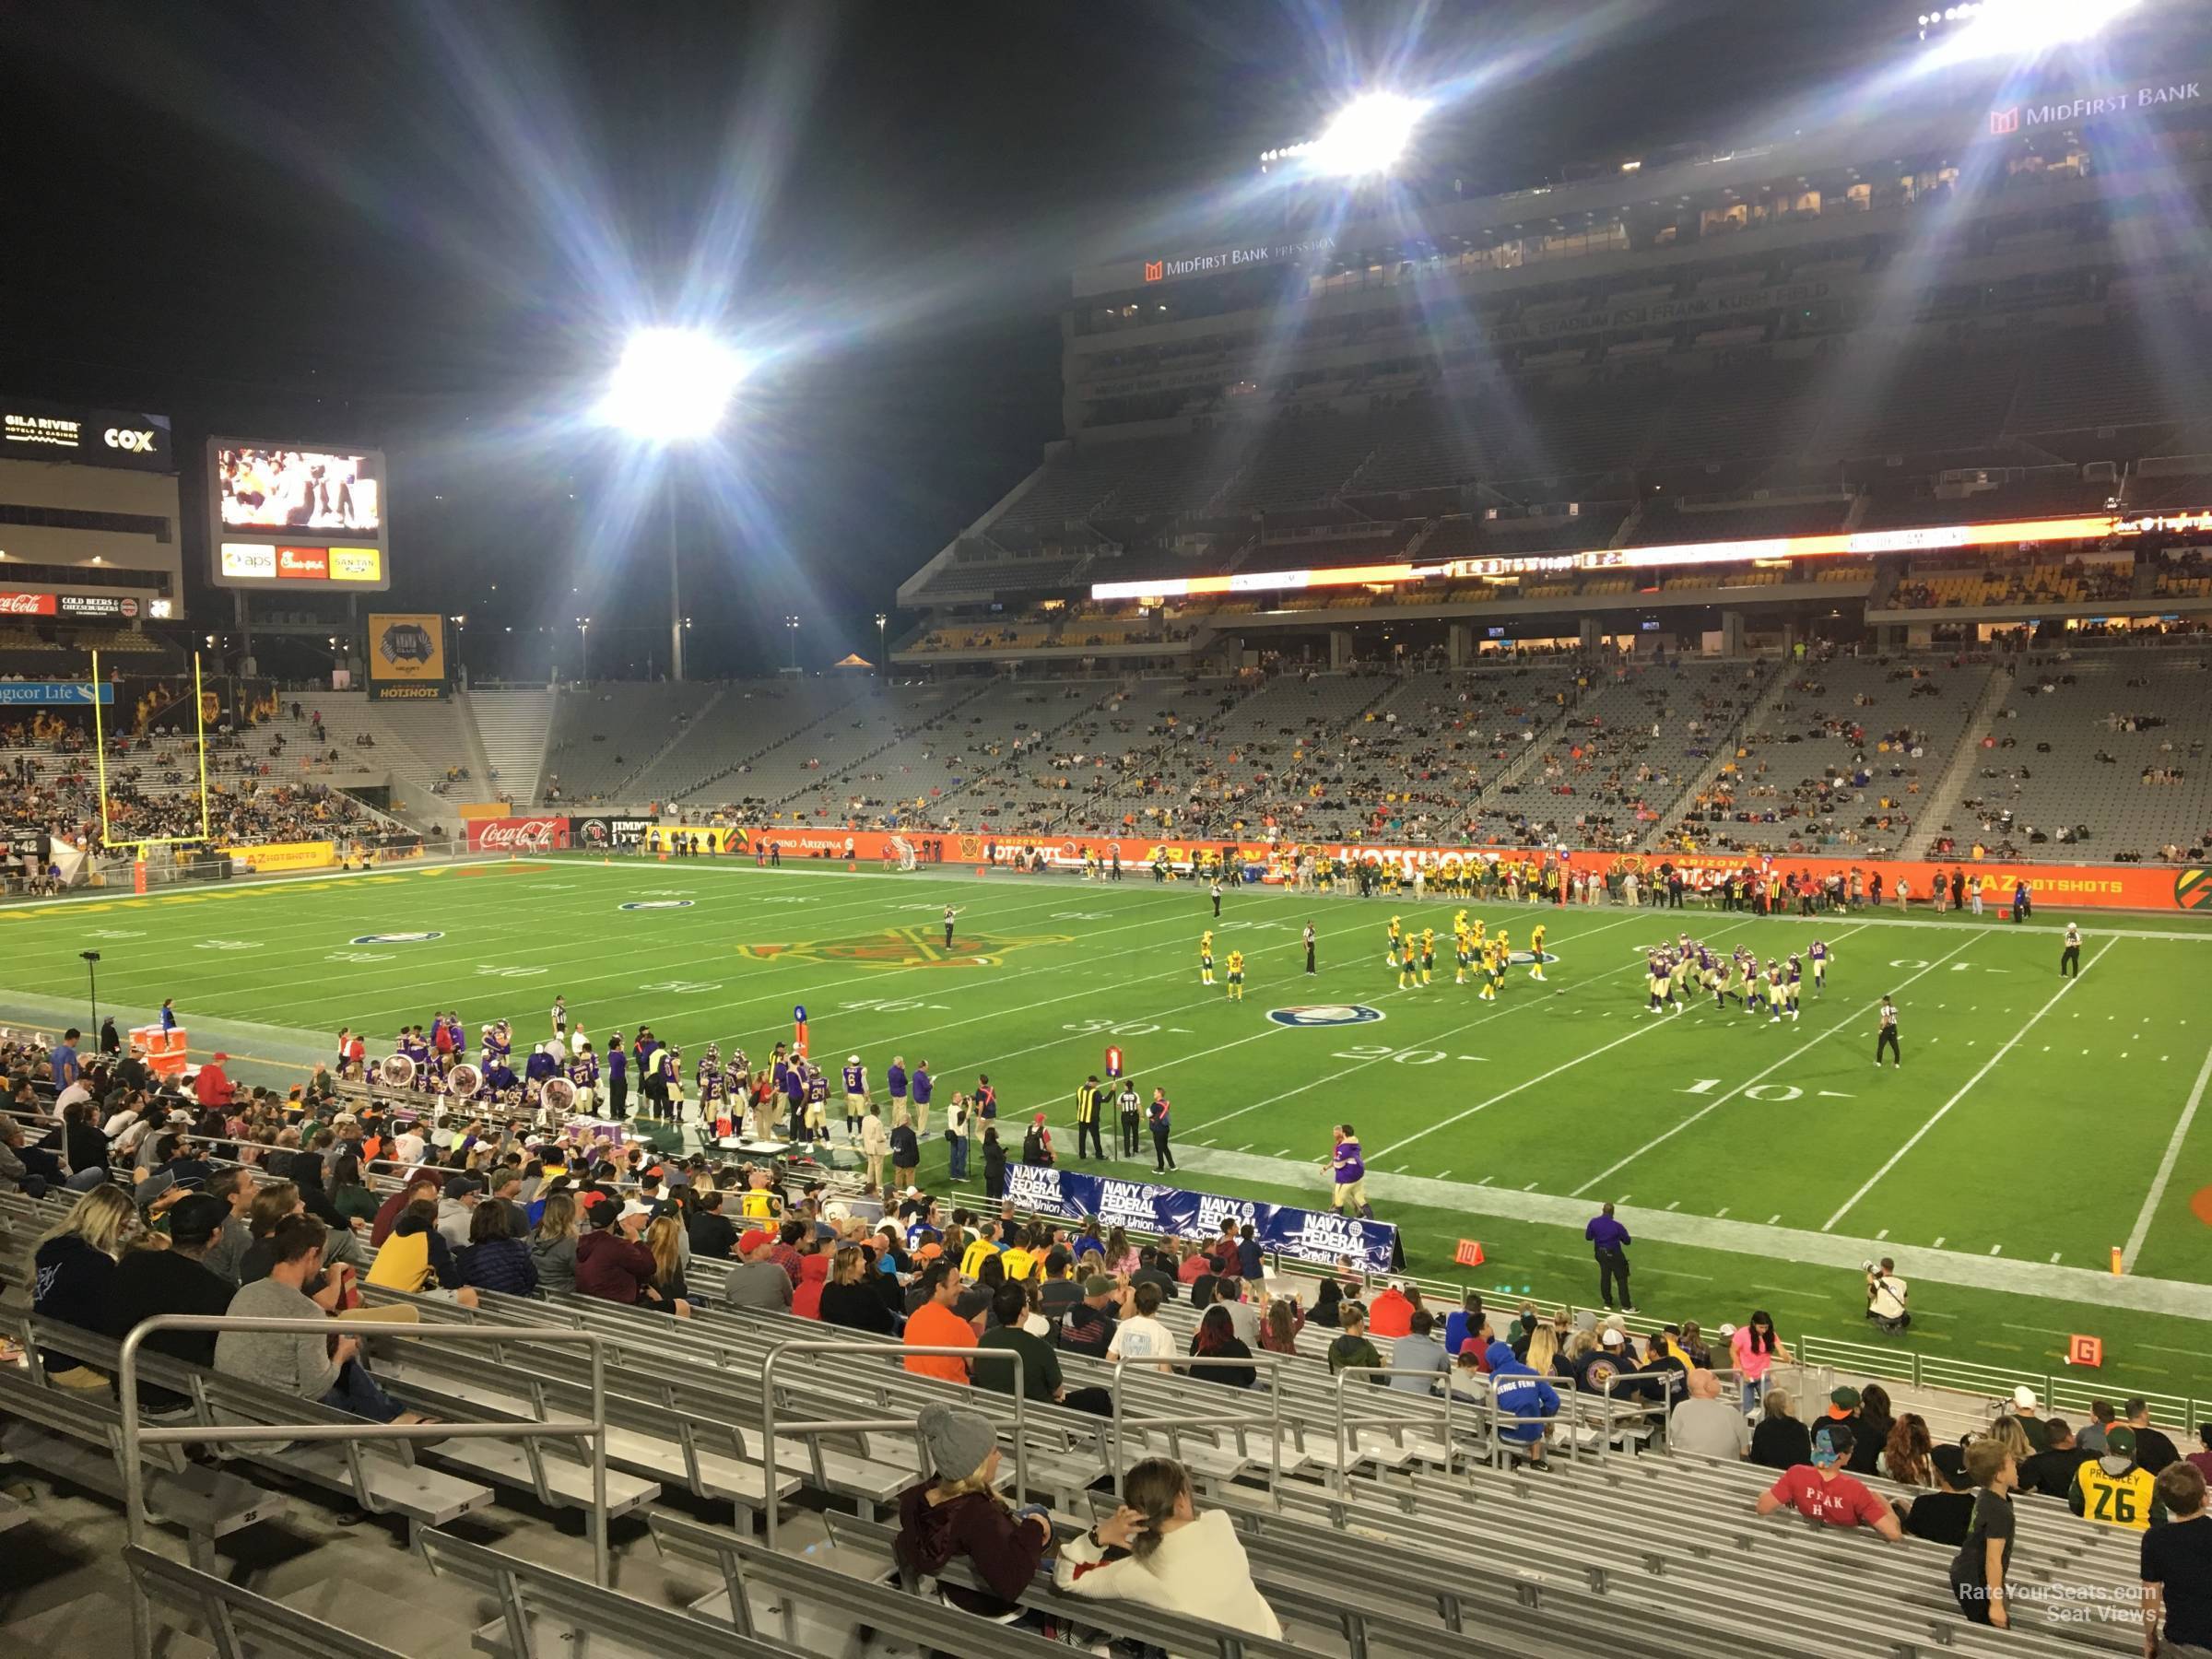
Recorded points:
(1326, 1014)
(2193, 890)
(920, 947)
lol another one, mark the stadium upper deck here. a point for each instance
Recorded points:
(1968, 316)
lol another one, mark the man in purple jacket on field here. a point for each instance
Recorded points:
(1611, 1240)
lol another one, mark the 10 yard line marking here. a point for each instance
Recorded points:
(2173, 1151)
(1789, 1058)
(1897, 1156)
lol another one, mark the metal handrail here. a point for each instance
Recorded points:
(769, 1426)
(136, 1435)
(1117, 1420)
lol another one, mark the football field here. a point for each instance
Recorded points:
(2038, 1123)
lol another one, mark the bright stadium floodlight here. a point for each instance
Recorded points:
(1982, 28)
(1367, 136)
(672, 384)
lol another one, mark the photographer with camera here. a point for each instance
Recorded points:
(1886, 1297)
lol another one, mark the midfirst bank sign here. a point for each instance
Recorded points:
(2027, 117)
(1172, 267)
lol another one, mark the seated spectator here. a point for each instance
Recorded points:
(2177, 1565)
(553, 1244)
(14, 1174)
(1140, 1335)
(713, 1234)
(1464, 1323)
(1417, 1359)
(2154, 1451)
(2023, 1412)
(1390, 1313)
(148, 1282)
(496, 1259)
(307, 1364)
(1521, 1394)
(415, 1259)
(462, 1195)
(757, 1281)
(1906, 1453)
(1704, 1425)
(2114, 1489)
(944, 1318)
(1352, 1348)
(1943, 1515)
(1089, 1328)
(1821, 1491)
(1216, 1338)
(2050, 1471)
(610, 1263)
(74, 1273)
(1009, 1334)
(814, 1277)
(851, 1298)
(2203, 1458)
(955, 1515)
(665, 1239)
(1158, 1550)
(1280, 1324)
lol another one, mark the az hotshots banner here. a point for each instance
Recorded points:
(1323, 1237)
(548, 834)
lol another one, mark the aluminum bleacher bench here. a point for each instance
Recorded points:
(771, 1596)
(379, 1478)
(547, 1613)
(237, 1623)
(75, 1435)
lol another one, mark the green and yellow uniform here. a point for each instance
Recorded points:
(1205, 958)
(1427, 953)
(1535, 944)
(1236, 976)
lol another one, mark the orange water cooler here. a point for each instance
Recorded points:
(164, 1050)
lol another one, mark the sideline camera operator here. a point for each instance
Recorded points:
(1886, 1297)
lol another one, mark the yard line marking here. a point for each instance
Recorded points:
(2173, 1151)
(1719, 1100)
(1939, 1245)
(1486, 1180)
(1530, 1187)
(1440, 1173)
(2054, 1254)
(1245, 1147)
(1774, 1218)
(1675, 1204)
(1897, 1156)
(1996, 1250)
(1880, 1236)
(1721, 1214)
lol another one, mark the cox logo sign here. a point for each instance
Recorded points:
(137, 441)
(1326, 1014)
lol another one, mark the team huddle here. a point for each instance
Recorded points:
(1674, 973)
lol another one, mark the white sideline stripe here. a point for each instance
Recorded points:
(2093, 1287)
(1719, 1100)
(1967, 1088)
(2173, 1152)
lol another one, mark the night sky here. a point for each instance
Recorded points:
(427, 227)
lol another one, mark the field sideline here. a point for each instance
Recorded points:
(2038, 1124)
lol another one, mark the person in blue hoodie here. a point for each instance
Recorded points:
(1519, 1393)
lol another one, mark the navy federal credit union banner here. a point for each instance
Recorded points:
(1323, 1237)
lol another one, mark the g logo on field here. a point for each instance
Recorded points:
(397, 938)
(1326, 1014)
(658, 904)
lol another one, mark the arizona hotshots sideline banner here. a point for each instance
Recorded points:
(1323, 1237)
(547, 834)
(284, 855)
(2057, 886)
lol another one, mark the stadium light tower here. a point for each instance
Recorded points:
(1367, 136)
(672, 386)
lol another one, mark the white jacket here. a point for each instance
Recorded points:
(1198, 1570)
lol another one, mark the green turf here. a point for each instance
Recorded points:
(2027, 1122)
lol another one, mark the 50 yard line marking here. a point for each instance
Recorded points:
(1897, 1156)
(2173, 1151)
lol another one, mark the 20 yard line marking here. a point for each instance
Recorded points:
(2173, 1151)
(1942, 1111)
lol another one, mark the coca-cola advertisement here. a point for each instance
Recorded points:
(27, 605)
(518, 835)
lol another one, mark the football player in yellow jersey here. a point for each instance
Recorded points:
(1427, 953)
(1459, 921)
(1390, 951)
(1475, 931)
(1499, 954)
(1236, 976)
(1406, 971)
(1205, 958)
(1505, 946)
(1535, 944)
(1463, 954)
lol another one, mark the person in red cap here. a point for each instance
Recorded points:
(211, 1087)
(1037, 1145)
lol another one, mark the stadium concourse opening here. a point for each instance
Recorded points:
(1554, 832)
